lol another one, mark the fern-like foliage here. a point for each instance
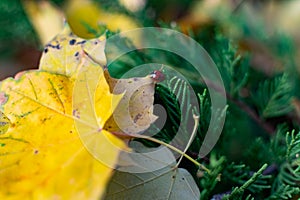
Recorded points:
(284, 192)
(240, 174)
(287, 182)
(233, 67)
(209, 181)
(174, 96)
(251, 184)
(273, 97)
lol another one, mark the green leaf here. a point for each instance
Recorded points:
(166, 183)
(152, 174)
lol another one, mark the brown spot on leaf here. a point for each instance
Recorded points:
(137, 117)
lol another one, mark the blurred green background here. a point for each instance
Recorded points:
(267, 28)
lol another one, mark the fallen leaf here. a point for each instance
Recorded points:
(134, 113)
(63, 55)
(165, 183)
(93, 102)
(42, 156)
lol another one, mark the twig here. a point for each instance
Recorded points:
(267, 127)
(238, 5)
(239, 190)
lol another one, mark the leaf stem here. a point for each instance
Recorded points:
(183, 153)
(172, 148)
(196, 124)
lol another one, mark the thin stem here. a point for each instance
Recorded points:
(126, 136)
(196, 124)
(174, 149)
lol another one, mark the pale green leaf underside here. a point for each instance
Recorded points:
(162, 184)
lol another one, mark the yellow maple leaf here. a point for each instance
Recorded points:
(134, 114)
(63, 54)
(42, 156)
